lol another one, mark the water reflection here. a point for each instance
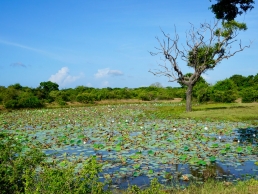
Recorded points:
(199, 174)
(249, 135)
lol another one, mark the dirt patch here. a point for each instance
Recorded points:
(239, 100)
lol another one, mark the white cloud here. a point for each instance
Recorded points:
(107, 72)
(63, 78)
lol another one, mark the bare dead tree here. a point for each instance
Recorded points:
(205, 48)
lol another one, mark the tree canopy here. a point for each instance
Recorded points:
(229, 9)
(205, 48)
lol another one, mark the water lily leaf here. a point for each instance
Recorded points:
(212, 158)
(186, 148)
(223, 151)
(136, 173)
(80, 136)
(227, 146)
(136, 166)
(239, 149)
(183, 157)
(150, 171)
(193, 161)
(95, 146)
(202, 162)
(150, 152)
(135, 156)
(215, 145)
(249, 148)
(118, 148)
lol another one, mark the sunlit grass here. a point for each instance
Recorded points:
(212, 112)
(209, 187)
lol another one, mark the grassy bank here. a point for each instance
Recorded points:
(213, 112)
(210, 187)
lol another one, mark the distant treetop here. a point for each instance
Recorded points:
(229, 9)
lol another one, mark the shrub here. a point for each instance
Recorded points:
(29, 102)
(61, 178)
(11, 104)
(14, 162)
(24, 102)
(85, 98)
(224, 91)
(148, 96)
(249, 95)
(202, 92)
(61, 102)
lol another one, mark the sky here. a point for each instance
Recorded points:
(105, 43)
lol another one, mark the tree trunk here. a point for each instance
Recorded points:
(189, 98)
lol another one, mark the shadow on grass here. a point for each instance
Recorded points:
(218, 107)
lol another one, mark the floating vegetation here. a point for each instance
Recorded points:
(134, 147)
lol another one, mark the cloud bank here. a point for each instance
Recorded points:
(63, 78)
(107, 72)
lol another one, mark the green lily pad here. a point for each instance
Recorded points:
(186, 148)
(202, 162)
(136, 166)
(239, 149)
(212, 158)
(215, 145)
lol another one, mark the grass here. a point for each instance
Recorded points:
(215, 187)
(212, 112)
(209, 187)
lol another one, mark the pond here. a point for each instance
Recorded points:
(135, 149)
(133, 167)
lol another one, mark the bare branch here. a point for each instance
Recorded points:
(205, 48)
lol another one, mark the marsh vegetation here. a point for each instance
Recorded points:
(130, 144)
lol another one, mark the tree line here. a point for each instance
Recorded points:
(226, 91)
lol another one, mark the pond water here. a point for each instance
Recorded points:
(139, 168)
(135, 149)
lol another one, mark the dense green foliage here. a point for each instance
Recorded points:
(229, 9)
(24, 170)
(62, 178)
(228, 90)
(14, 162)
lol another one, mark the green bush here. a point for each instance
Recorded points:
(202, 92)
(61, 102)
(61, 178)
(27, 171)
(148, 95)
(24, 102)
(11, 104)
(224, 91)
(29, 102)
(249, 95)
(85, 98)
(14, 162)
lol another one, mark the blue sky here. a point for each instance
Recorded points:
(104, 43)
